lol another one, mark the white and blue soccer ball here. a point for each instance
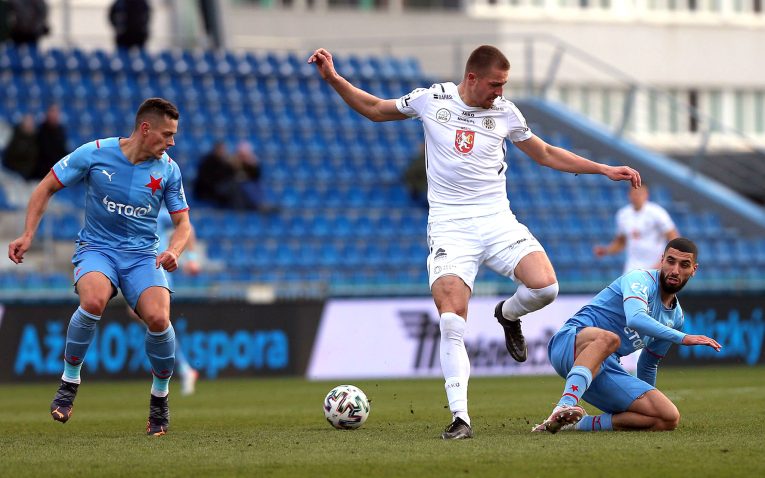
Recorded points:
(346, 407)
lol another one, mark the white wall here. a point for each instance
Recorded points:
(670, 54)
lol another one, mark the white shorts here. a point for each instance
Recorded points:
(459, 246)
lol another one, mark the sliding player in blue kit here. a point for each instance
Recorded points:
(637, 311)
(127, 180)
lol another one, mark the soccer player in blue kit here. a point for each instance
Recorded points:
(637, 311)
(127, 180)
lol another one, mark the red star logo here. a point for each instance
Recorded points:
(154, 184)
(574, 388)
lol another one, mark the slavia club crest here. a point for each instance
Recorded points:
(464, 140)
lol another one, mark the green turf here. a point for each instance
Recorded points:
(276, 427)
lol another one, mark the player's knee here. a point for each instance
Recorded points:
(671, 419)
(609, 340)
(545, 295)
(156, 322)
(451, 294)
(666, 417)
(93, 305)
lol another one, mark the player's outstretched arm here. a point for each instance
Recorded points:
(564, 160)
(38, 203)
(701, 340)
(366, 104)
(614, 247)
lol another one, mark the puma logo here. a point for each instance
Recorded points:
(107, 174)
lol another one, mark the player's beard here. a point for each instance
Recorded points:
(670, 288)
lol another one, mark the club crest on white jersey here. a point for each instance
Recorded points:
(464, 141)
(465, 149)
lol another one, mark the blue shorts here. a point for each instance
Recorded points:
(612, 390)
(131, 272)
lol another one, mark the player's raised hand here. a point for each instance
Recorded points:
(701, 340)
(17, 248)
(168, 260)
(323, 60)
(624, 173)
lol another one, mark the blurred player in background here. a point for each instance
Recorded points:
(637, 311)
(189, 264)
(642, 228)
(470, 221)
(127, 180)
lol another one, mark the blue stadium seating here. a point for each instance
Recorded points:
(344, 216)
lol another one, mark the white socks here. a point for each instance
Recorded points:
(455, 363)
(527, 300)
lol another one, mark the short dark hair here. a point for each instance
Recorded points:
(683, 244)
(158, 107)
(484, 58)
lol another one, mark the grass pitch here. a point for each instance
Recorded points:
(276, 427)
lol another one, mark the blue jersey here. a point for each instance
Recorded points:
(122, 199)
(631, 308)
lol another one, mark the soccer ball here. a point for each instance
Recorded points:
(346, 407)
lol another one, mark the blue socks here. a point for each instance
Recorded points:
(595, 423)
(79, 335)
(160, 348)
(577, 382)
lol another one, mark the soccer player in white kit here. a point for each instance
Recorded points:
(642, 229)
(470, 222)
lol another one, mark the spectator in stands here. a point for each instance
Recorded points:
(231, 182)
(28, 21)
(130, 19)
(21, 153)
(216, 179)
(248, 173)
(470, 222)
(642, 228)
(209, 10)
(51, 142)
(5, 20)
(416, 179)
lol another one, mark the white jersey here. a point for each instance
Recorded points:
(464, 150)
(646, 234)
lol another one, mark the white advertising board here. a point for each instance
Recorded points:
(399, 338)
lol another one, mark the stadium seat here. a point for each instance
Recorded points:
(336, 177)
